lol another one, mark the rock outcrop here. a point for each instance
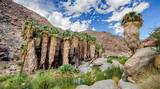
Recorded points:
(142, 58)
(104, 84)
(12, 17)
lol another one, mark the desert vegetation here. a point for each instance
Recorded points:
(47, 47)
(65, 77)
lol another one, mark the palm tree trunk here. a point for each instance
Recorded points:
(131, 35)
(81, 50)
(92, 50)
(100, 52)
(75, 48)
(31, 58)
(66, 48)
(44, 49)
(52, 50)
(85, 48)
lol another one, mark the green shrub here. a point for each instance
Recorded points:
(67, 68)
(113, 72)
(155, 35)
(121, 59)
(15, 82)
(43, 80)
(86, 79)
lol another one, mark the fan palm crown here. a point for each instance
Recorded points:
(132, 17)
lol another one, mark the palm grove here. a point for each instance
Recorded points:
(47, 47)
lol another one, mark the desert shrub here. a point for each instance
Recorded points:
(67, 68)
(15, 82)
(86, 79)
(96, 75)
(43, 80)
(58, 79)
(152, 83)
(113, 72)
(121, 59)
(156, 36)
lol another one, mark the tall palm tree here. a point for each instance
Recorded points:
(44, 46)
(99, 50)
(74, 51)
(54, 33)
(28, 49)
(84, 45)
(66, 46)
(131, 23)
(92, 47)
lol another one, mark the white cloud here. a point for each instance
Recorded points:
(117, 16)
(118, 28)
(37, 6)
(115, 4)
(79, 6)
(141, 7)
(93, 29)
(80, 26)
(57, 20)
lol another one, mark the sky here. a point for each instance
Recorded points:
(97, 15)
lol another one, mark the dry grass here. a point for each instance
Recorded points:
(149, 78)
(153, 82)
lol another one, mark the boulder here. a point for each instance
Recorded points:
(82, 87)
(99, 61)
(104, 84)
(85, 67)
(139, 60)
(127, 85)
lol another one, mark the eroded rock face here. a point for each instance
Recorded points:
(139, 60)
(12, 17)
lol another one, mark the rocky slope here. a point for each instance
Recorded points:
(13, 16)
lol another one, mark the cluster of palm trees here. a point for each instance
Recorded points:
(47, 47)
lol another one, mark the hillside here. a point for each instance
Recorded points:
(13, 15)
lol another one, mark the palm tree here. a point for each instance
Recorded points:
(28, 49)
(92, 47)
(155, 36)
(74, 51)
(84, 46)
(99, 50)
(54, 33)
(131, 23)
(66, 46)
(44, 46)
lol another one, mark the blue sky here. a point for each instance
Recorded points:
(98, 15)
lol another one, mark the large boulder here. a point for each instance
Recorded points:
(104, 84)
(127, 85)
(99, 61)
(139, 60)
